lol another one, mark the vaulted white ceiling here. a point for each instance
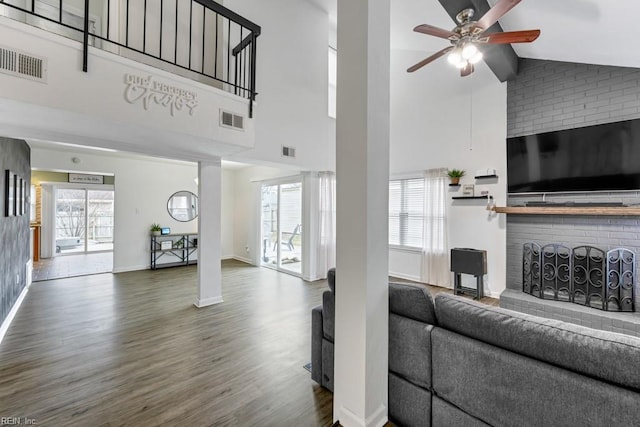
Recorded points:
(602, 32)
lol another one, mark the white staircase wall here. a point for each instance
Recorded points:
(90, 108)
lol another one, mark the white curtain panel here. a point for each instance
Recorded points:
(435, 250)
(326, 238)
(48, 230)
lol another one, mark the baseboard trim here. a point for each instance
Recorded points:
(242, 259)
(12, 313)
(377, 419)
(29, 273)
(405, 276)
(132, 268)
(200, 303)
(495, 295)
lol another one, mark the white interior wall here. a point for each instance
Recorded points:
(246, 234)
(142, 188)
(292, 75)
(438, 120)
(228, 215)
(429, 127)
(91, 109)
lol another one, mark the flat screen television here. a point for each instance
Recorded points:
(594, 158)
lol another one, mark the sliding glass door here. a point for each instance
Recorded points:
(282, 227)
(84, 220)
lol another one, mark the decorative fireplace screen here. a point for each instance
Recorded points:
(584, 275)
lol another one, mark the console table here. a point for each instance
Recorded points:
(180, 248)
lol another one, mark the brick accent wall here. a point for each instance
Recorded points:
(15, 155)
(548, 96)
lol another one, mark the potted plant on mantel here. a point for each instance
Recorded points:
(455, 175)
(155, 229)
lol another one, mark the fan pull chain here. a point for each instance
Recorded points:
(471, 120)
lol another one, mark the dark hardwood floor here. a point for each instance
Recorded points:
(131, 349)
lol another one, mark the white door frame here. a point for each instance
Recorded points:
(273, 182)
(49, 197)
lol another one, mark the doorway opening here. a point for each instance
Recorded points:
(83, 220)
(282, 227)
(77, 226)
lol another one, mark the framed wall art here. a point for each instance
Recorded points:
(19, 196)
(9, 194)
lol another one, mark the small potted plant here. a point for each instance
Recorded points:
(155, 229)
(455, 175)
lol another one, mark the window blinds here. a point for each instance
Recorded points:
(406, 212)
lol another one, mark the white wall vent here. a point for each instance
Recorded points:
(231, 120)
(22, 64)
(288, 151)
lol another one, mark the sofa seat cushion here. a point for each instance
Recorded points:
(445, 414)
(316, 344)
(604, 355)
(327, 364)
(411, 301)
(409, 405)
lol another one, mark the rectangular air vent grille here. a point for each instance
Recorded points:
(231, 120)
(288, 151)
(21, 64)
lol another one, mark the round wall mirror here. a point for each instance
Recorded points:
(183, 206)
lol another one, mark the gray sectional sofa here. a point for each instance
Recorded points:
(456, 362)
(322, 328)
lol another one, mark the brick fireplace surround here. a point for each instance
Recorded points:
(604, 232)
(548, 96)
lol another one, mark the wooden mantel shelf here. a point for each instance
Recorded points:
(568, 210)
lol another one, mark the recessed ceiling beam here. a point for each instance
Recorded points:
(501, 59)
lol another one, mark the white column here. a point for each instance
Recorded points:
(209, 233)
(362, 163)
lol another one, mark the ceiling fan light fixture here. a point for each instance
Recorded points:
(469, 50)
(455, 57)
(463, 63)
(476, 58)
(463, 53)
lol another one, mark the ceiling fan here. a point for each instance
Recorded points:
(463, 52)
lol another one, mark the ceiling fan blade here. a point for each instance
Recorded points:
(435, 31)
(526, 36)
(429, 59)
(496, 12)
(466, 70)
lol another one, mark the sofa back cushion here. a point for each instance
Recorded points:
(608, 356)
(331, 279)
(410, 350)
(503, 388)
(328, 315)
(411, 301)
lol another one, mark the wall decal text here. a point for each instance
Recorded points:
(149, 90)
